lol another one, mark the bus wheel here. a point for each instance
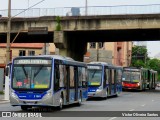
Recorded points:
(80, 99)
(106, 94)
(60, 103)
(25, 108)
(117, 94)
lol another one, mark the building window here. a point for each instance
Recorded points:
(31, 53)
(92, 45)
(22, 52)
(100, 45)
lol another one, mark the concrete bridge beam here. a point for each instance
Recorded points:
(70, 46)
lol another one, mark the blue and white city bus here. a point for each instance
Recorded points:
(47, 80)
(104, 80)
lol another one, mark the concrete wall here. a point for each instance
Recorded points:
(100, 55)
(109, 53)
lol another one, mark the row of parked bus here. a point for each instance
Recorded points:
(51, 80)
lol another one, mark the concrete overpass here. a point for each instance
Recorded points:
(76, 31)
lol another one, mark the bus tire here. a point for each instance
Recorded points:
(80, 99)
(117, 93)
(107, 93)
(60, 103)
(25, 108)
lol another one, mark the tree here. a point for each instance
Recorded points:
(155, 65)
(139, 56)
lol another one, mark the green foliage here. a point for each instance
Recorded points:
(140, 59)
(138, 63)
(139, 56)
(155, 65)
(1, 92)
(58, 23)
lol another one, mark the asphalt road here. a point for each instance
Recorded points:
(132, 103)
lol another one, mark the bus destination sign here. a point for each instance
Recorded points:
(32, 61)
(94, 67)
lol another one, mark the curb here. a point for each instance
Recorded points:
(4, 101)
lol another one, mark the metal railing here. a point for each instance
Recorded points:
(91, 10)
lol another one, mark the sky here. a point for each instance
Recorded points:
(153, 47)
(72, 3)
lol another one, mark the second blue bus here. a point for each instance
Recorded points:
(104, 80)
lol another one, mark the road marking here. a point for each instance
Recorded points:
(112, 118)
(143, 105)
(132, 110)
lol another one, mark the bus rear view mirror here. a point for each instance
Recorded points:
(84, 83)
(7, 71)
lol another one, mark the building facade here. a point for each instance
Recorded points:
(116, 53)
(25, 49)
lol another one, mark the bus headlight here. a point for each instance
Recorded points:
(99, 89)
(122, 83)
(138, 84)
(48, 95)
(14, 95)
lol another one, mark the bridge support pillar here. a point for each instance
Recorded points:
(69, 46)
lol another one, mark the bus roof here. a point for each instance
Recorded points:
(47, 56)
(104, 64)
(67, 60)
(99, 63)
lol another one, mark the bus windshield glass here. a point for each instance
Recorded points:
(31, 77)
(94, 77)
(131, 76)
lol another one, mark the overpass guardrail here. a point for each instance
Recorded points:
(82, 11)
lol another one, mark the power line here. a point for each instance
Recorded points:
(29, 8)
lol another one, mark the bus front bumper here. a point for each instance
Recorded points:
(15, 101)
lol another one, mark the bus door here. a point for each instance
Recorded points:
(67, 83)
(151, 80)
(76, 83)
(72, 84)
(115, 82)
(105, 77)
(154, 80)
(110, 81)
(148, 79)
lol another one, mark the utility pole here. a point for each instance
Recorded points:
(128, 54)
(97, 51)
(6, 93)
(8, 33)
(86, 8)
(28, 4)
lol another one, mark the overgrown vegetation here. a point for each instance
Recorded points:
(58, 23)
(140, 59)
(1, 92)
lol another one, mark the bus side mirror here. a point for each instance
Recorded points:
(84, 83)
(6, 71)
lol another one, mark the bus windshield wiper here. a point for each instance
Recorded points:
(35, 74)
(24, 71)
(94, 73)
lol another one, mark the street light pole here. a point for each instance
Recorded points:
(8, 33)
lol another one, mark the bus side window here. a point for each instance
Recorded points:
(113, 79)
(57, 77)
(105, 78)
(107, 72)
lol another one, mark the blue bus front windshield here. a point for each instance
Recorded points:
(94, 77)
(131, 76)
(31, 77)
